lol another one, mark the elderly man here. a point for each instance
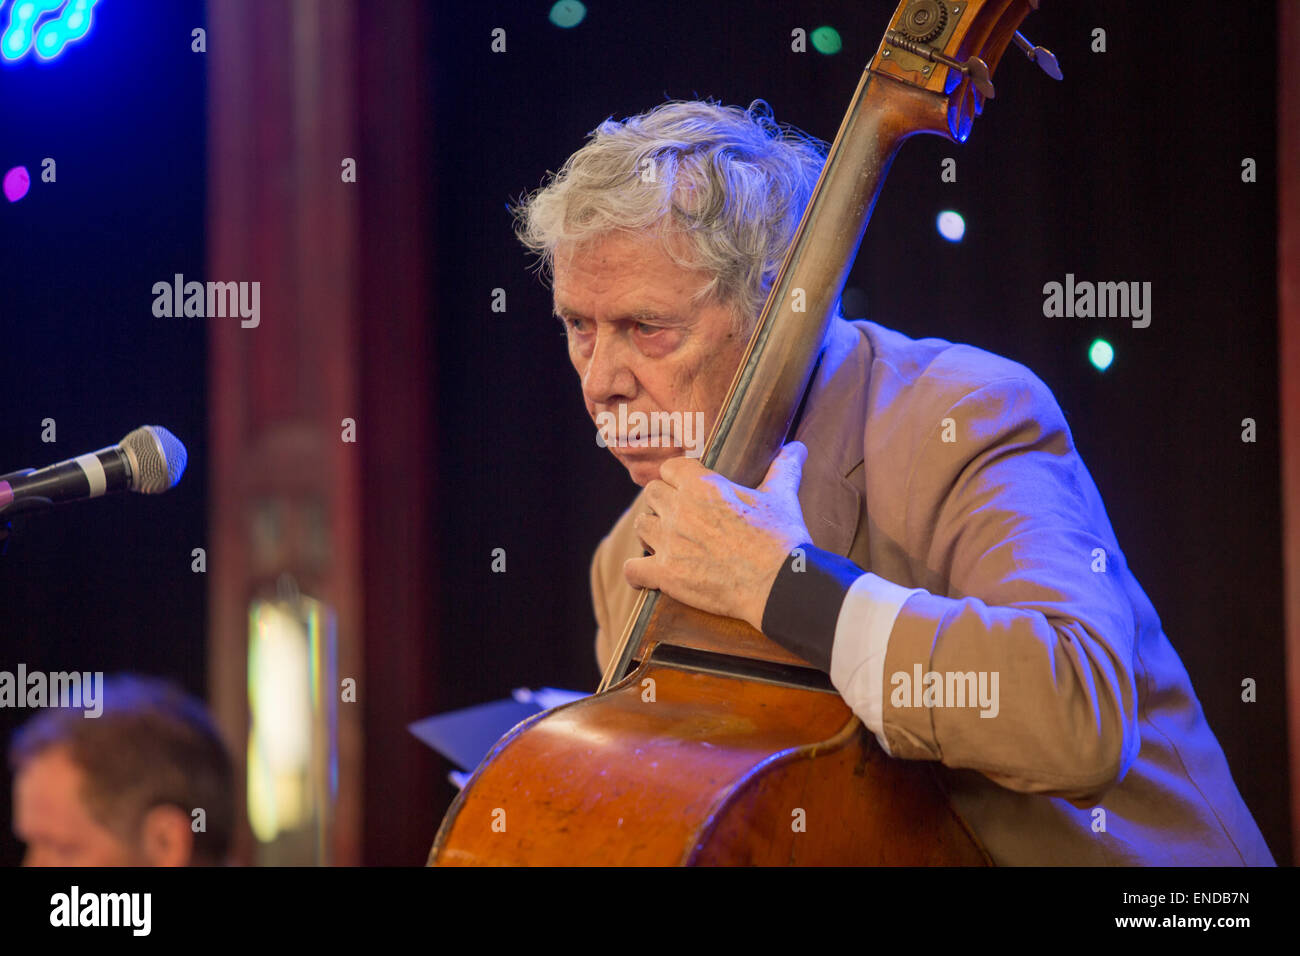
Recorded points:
(947, 523)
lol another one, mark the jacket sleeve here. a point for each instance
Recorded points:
(1007, 514)
(1023, 590)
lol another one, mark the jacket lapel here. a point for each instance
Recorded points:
(832, 427)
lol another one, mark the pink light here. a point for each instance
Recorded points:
(17, 182)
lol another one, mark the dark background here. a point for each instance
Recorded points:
(1127, 171)
(106, 585)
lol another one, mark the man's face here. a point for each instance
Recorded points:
(637, 339)
(50, 817)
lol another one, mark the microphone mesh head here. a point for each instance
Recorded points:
(159, 458)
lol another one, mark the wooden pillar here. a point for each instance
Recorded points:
(293, 93)
(284, 485)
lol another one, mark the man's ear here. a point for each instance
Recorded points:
(166, 838)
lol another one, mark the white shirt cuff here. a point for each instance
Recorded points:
(862, 631)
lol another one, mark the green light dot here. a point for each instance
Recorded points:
(567, 13)
(827, 40)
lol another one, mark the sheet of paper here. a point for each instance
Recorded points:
(466, 736)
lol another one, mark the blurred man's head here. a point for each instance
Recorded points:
(122, 789)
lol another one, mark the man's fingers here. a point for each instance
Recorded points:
(648, 530)
(786, 469)
(677, 470)
(657, 495)
(640, 572)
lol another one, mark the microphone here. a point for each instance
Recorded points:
(149, 460)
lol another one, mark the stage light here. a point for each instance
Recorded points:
(50, 38)
(827, 40)
(567, 13)
(951, 225)
(17, 182)
(1101, 354)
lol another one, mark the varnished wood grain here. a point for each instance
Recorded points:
(709, 771)
(684, 626)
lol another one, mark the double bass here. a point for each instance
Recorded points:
(706, 742)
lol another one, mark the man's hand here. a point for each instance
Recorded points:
(719, 546)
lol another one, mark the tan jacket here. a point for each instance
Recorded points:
(947, 468)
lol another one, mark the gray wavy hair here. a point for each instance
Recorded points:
(731, 182)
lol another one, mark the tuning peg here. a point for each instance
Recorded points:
(978, 71)
(974, 69)
(1044, 57)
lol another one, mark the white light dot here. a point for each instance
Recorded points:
(951, 225)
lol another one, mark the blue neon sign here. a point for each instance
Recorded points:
(24, 33)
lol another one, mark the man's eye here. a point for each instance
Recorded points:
(645, 329)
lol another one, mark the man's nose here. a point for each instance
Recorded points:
(608, 377)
